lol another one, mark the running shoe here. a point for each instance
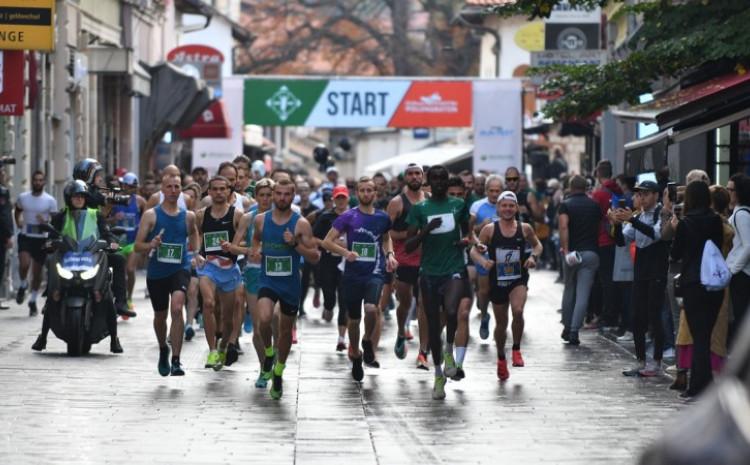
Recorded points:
(248, 324)
(176, 369)
(422, 361)
(502, 370)
(189, 332)
(633, 372)
(40, 343)
(277, 387)
(438, 390)
(450, 365)
(213, 359)
(32, 309)
(357, 371)
(517, 358)
(261, 382)
(368, 354)
(20, 295)
(460, 374)
(231, 355)
(163, 366)
(221, 361)
(408, 335)
(268, 366)
(114, 345)
(340, 346)
(484, 327)
(294, 335)
(651, 369)
(400, 348)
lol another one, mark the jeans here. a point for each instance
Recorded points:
(608, 292)
(578, 282)
(648, 306)
(739, 290)
(701, 311)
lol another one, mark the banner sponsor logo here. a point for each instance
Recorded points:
(27, 25)
(12, 82)
(283, 103)
(498, 141)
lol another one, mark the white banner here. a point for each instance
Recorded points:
(498, 135)
(210, 153)
(355, 103)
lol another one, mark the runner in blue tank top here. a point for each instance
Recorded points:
(129, 217)
(243, 239)
(281, 236)
(163, 234)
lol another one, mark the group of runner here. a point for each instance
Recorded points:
(242, 247)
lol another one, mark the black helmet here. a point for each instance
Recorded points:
(73, 188)
(86, 170)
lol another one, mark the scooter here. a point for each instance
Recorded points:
(79, 296)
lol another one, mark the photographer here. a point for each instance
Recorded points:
(6, 229)
(101, 198)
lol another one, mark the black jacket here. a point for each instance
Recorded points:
(692, 233)
(6, 216)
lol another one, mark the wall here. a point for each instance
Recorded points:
(511, 55)
(218, 35)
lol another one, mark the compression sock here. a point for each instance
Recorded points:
(460, 354)
(278, 368)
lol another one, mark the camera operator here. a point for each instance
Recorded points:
(6, 229)
(101, 198)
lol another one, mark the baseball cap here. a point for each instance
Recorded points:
(413, 166)
(129, 179)
(332, 169)
(508, 195)
(340, 190)
(259, 167)
(648, 186)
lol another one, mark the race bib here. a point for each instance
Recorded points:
(279, 266)
(365, 250)
(169, 253)
(128, 222)
(508, 264)
(212, 240)
(448, 225)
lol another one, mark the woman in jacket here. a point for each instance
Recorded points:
(701, 306)
(738, 260)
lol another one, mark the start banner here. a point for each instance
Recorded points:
(358, 103)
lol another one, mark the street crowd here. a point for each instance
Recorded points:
(241, 249)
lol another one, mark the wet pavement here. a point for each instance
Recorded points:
(568, 405)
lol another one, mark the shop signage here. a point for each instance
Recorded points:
(27, 25)
(11, 82)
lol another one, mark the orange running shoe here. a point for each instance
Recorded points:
(422, 361)
(502, 370)
(517, 358)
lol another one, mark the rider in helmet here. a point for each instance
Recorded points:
(68, 222)
(92, 173)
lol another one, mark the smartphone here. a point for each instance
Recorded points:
(677, 210)
(672, 191)
(621, 203)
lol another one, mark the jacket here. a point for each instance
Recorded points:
(692, 233)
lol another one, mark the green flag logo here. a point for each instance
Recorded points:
(283, 103)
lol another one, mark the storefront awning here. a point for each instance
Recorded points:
(441, 155)
(211, 124)
(112, 60)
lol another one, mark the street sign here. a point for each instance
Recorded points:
(27, 25)
(568, 57)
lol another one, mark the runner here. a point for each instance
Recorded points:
(436, 223)
(158, 197)
(219, 276)
(251, 274)
(307, 208)
(163, 233)
(482, 213)
(192, 193)
(407, 273)
(284, 236)
(32, 209)
(505, 240)
(129, 217)
(368, 255)
(328, 267)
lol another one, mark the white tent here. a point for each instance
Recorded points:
(440, 155)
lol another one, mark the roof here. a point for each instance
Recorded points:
(439, 155)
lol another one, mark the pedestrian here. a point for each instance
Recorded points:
(163, 233)
(579, 219)
(698, 225)
(33, 208)
(505, 240)
(739, 257)
(649, 273)
(6, 230)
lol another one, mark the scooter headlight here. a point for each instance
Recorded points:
(89, 274)
(63, 273)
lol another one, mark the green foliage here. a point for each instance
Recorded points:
(674, 38)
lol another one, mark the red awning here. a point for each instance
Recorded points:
(211, 124)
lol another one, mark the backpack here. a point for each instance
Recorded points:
(715, 274)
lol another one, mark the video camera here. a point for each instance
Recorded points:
(114, 196)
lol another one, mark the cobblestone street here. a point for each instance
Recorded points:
(569, 405)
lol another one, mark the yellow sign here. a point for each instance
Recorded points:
(27, 24)
(530, 37)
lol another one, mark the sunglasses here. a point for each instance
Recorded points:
(511, 179)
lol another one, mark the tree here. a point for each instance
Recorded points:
(675, 38)
(351, 37)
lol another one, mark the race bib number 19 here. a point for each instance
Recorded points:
(169, 253)
(212, 240)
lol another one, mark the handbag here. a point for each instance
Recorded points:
(715, 274)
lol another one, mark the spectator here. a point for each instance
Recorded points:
(739, 257)
(698, 225)
(579, 229)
